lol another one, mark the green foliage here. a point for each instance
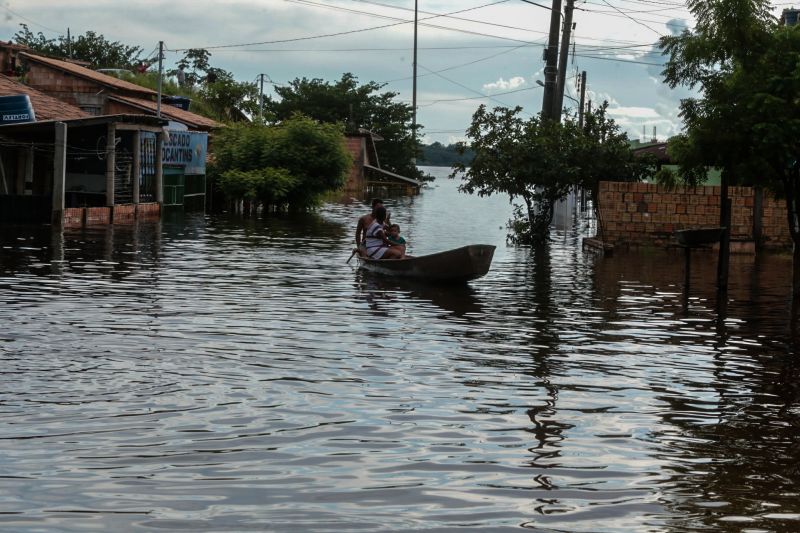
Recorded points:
(198, 60)
(747, 120)
(289, 166)
(539, 161)
(270, 185)
(213, 91)
(689, 151)
(729, 40)
(439, 155)
(91, 47)
(356, 106)
(668, 178)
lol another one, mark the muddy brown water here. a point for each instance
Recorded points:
(214, 374)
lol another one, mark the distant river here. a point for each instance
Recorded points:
(219, 374)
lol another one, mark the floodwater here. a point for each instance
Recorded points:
(214, 374)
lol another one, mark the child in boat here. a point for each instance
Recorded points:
(377, 245)
(395, 238)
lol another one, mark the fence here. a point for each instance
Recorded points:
(649, 214)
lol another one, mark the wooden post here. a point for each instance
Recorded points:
(19, 186)
(159, 168)
(551, 58)
(558, 99)
(583, 100)
(137, 166)
(24, 170)
(59, 172)
(110, 164)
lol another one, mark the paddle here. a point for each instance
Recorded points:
(355, 251)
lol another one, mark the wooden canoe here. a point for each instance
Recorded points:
(452, 266)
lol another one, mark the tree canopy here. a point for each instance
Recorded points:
(356, 106)
(539, 161)
(91, 47)
(288, 166)
(438, 155)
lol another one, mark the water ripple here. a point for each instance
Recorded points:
(208, 373)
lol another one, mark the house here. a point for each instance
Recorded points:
(72, 167)
(98, 94)
(366, 173)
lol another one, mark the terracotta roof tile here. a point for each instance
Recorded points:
(171, 112)
(44, 107)
(83, 72)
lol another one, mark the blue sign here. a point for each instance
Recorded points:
(16, 108)
(185, 149)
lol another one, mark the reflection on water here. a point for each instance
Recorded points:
(218, 374)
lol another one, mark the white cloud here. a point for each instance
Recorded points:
(634, 112)
(502, 85)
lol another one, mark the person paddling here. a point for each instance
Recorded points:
(366, 221)
(377, 246)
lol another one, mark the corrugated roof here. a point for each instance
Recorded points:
(83, 72)
(45, 107)
(172, 112)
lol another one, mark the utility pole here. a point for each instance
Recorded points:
(551, 61)
(69, 44)
(261, 100)
(414, 87)
(583, 98)
(160, 69)
(562, 60)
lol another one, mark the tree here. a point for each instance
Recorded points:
(198, 60)
(289, 166)
(356, 106)
(746, 119)
(91, 47)
(730, 36)
(220, 96)
(439, 155)
(539, 161)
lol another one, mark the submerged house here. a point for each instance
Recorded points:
(97, 94)
(59, 163)
(366, 175)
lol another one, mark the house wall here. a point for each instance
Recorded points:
(79, 92)
(114, 107)
(648, 214)
(356, 181)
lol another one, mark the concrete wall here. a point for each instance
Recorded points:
(648, 214)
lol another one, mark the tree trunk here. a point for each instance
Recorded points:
(792, 202)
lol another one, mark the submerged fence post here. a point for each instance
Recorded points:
(59, 172)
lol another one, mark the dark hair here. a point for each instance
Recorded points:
(380, 214)
(376, 201)
(393, 226)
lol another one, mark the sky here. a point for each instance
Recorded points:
(469, 52)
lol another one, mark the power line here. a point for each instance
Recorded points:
(32, 21)
(453, 67)
(348, 32)
(630, 17)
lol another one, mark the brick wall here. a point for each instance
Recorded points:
(76, 217)
(644, 213)
(98, 215)
(73, 217)
(124, 214)
(355, 179)
(148, 211)
(58, 84)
